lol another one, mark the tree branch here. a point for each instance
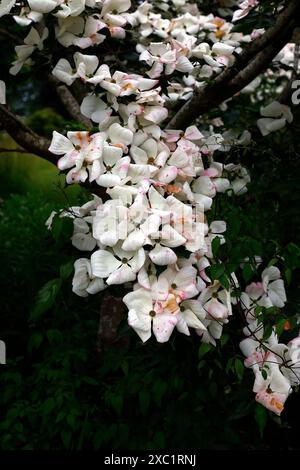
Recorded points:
(248, 65)
(18, 150)
(69, 102)
(24, 136)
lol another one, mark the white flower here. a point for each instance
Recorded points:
(32, 41)
(81, 151)
(216, 302)
(118, 267)
(276, 115)
(84, 282)
(164, 308)
(164, 58)
(82, 238)
(245, 8)
(76, 31)
(270, 292)
(96, 109)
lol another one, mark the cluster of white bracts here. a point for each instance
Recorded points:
(276, 366)
(150, 231)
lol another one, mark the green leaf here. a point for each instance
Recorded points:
(71, 421)
(280, 324)
(261, 417)
(215, 245)
(203, 349)
(54, 336)
(159, 390)
(66, 270)
(45, 298)
(248, 272)
(117, 403)
(144, 399)
(239, 368)
(224, 281)
(35, 341)
(66, 436)
(288, 275)
(62, 229)
(217, 270)
(48, 406)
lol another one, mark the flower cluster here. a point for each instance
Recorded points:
(276, 366)
(152, 230)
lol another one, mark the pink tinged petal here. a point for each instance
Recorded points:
(162, 255)
(272, 401)
(255, 290)
(77, 176)
(167, 174)
(155, 114)
(104, 263)
(121, 275)
(66, 162)
(193, 133)
(122, 166)
(156, 70)
(211, 172)
(163, 326)
(216, 310)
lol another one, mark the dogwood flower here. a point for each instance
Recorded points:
(270, 292)
(164, 58)
(118, 266)
(244, 9)
(276, 115)
(32, 41)
(84, 282)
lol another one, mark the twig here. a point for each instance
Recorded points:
(25, 136)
